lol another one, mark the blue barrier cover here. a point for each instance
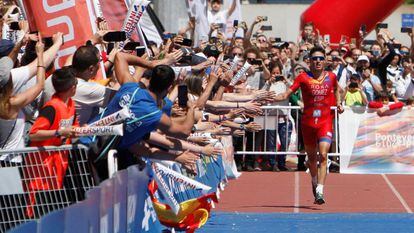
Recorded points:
(120, 201)
(52, 222)
(76, 218)
(92, 203)
(28, 227)
(141, 216)
(107, 206)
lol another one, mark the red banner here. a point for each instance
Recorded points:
(74, 18)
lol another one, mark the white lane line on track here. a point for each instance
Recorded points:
(296, 208)
(397, 194)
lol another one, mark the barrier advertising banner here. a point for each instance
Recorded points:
(371, 144)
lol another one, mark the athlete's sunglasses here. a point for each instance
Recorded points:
(318, 58)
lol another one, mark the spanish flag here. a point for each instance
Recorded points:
(193, 213)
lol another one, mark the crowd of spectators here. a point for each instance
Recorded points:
(41, 105)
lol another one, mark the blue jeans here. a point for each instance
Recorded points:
(283, 129)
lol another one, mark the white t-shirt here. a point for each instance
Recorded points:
(217, 17)
(405, 87)
(12, 131)
(88, 99)
(279, 88)
(369, 89)
(342, 78)
(20, 76)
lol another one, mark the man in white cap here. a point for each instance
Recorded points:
(371, 83)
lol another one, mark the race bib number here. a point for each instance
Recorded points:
(317, 113)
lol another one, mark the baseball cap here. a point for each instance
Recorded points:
(211, 51)
(363, 58)
(6, 46)
(6, 64)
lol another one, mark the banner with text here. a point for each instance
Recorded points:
(75, 19)
(370, 144)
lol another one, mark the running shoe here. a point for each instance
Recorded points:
(314, 190)
(319, 199)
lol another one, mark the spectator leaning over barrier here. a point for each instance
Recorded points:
(57, 118)
(11, 115)
(146, 105)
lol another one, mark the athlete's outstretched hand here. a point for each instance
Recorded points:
(340, 108)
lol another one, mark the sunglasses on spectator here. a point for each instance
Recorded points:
(318, 58)
(237, 54)
(262, 41)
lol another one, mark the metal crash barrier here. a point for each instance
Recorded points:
(36, 181)
(281, 124)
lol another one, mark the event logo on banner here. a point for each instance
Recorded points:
(75, 19)
(371, 144)
(135, 12)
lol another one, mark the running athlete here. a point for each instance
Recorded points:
(319, 91)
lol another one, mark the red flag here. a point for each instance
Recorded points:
(193, 213)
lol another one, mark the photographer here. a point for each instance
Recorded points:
(258, 72)
(354, 95)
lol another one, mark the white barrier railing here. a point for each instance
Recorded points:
(36, 181)
(270, 121)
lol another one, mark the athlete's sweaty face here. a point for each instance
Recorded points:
(318, 61)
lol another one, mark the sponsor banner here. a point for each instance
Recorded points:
(370, 144)
(135, 12)
(166, 191)
(116, 117)
(240, 74)
(100, 130)
(149, 28)
(177, 177)
(228, 157)
(75, 19)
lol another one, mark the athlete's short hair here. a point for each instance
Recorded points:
(317, 49)
(162, 78)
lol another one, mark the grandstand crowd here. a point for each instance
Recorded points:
(183, 95)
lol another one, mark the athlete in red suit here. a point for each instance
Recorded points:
(319, 92)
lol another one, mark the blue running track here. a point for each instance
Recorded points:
(221, 222)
